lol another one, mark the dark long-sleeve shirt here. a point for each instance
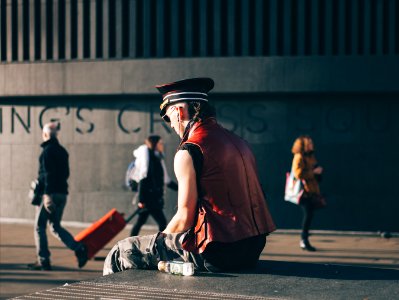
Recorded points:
(53, 168)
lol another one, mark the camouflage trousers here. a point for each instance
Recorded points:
(144, 252)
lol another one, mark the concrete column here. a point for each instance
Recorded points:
(273, 27)
(160, 16)
(105, 29)
(379, 30)
(43, 31)
(20, 31)
(301, 31)
(132, 28)
(259, 27)
(118, 27)
(93, 29)
(355, 27)
(341, 27)
(80, 29)
(32, 41)
(217, 28)
(68, 35)
(1, 40)
(391, 26)
(328, 28)
(174, 27)
(245, 28)
(9, 31)
(367, 27)
(231, 32)
(287, 32)
(147, 24)
(56, 26)
(314, 27)
(188, 39)
(203, 26)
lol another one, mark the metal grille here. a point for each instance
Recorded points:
(89, 290)
(103, 29)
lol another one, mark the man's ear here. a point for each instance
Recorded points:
(179, 113)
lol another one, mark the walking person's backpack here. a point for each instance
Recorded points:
(129, 181)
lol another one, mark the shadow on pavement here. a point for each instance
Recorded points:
(23, 267)
(28, 246)
(358, 251)
(323, 271)
(348, 257)
(53, 282)
(203, 274)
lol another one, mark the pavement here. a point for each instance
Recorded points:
(345, 266)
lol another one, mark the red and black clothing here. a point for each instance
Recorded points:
(232, 219)
(224, 256)
(230, 195)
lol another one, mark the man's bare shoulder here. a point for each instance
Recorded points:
(183, 163)
(183, 156)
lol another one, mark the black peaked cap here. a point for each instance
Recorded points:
(193, 89)
(202, 84)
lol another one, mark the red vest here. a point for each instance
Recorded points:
(233, 206)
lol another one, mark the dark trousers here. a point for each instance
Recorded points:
(158, 216)
(243, 254)
(308, 212)
(54, 219)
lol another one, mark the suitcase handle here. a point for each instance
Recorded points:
(129, 218)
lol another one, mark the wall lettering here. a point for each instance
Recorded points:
(339, 119)
(304, 121)
(378, 118)
(51, 119)
(81, 118)
(15, 114)
(251, 118)
(157, 120)
(120, 119)
(257, 121)
(227, 114)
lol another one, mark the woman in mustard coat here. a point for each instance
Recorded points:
(305, 167)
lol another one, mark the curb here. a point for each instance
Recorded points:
(385, 234)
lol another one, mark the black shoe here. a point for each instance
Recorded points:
(81, 255)
(305, 245)
(44, 266)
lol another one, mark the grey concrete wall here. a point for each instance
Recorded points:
(356, 137)
(99, 138)
(232, 75)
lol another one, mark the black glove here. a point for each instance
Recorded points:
(172, 185)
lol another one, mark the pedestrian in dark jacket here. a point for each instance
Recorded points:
(150, 172)
(53, 176)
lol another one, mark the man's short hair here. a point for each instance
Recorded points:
(51, 128)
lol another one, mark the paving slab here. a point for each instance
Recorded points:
(271, 280)
(344, 267)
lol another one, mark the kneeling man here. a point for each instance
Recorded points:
(222, 218)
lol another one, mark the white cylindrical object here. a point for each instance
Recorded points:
(188, 269)
(176, 267)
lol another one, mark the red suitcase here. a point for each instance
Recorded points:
(102, 231)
